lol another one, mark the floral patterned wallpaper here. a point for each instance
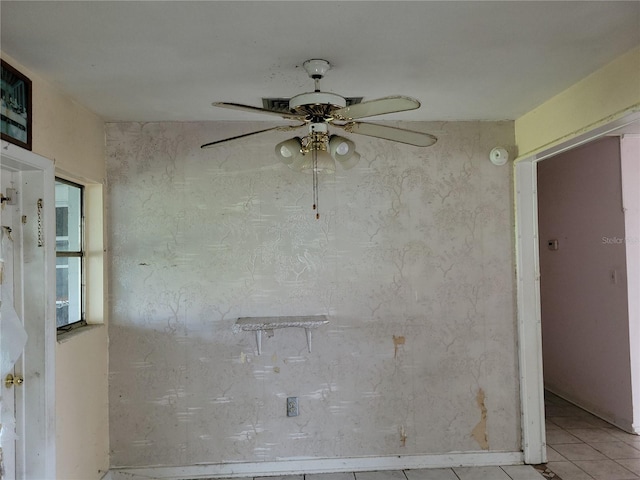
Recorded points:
(412, 260)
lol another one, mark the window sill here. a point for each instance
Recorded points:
(63, 337)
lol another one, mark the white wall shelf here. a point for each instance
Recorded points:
(268, 324)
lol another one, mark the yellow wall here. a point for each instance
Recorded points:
(73, 137)
(606, 95)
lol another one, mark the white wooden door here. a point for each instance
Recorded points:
(28, 300)
(12, 333)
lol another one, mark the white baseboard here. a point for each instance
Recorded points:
(318, 465)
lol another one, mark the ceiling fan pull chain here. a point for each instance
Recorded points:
(315, 182)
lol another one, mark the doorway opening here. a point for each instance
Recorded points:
(528, 286)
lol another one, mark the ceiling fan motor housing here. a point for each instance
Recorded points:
(316, 104)
(299, 103)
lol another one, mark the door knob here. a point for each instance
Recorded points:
(11, 380)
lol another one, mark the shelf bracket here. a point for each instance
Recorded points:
(261, 324)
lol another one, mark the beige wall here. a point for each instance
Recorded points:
(606, 95)
(82, 431)
(73, 137)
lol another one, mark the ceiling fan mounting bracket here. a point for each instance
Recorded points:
(316, 67)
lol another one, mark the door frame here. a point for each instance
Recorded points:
(35, 449)
(528, 285)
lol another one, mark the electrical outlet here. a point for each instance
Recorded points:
(292, 406)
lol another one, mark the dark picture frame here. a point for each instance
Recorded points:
(15, 112)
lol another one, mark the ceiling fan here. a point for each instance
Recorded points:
(317, 110)
(317, 151)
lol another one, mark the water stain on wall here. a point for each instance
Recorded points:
(403, 437)
(479, 433)
(396, 342)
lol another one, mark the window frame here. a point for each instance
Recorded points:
(81, 254)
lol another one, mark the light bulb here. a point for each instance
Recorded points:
(342, 149)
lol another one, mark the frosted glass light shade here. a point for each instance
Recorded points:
(350, 162)
(341, 148)
(325, 163)
(289, 150)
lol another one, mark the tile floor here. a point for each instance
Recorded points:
(580, 446)
(518, 472)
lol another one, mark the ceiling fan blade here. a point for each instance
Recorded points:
(380, 106)
(249, 108)
(281, 128)
(411, 137)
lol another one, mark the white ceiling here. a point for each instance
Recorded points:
(160, 61)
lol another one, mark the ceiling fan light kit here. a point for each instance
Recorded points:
(318, 151)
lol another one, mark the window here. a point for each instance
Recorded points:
(69, 255)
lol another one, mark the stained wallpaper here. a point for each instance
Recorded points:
(412, 261)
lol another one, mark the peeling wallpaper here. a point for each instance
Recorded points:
(411, 260)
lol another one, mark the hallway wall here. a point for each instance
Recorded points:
(585, 323)
(630, 169)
